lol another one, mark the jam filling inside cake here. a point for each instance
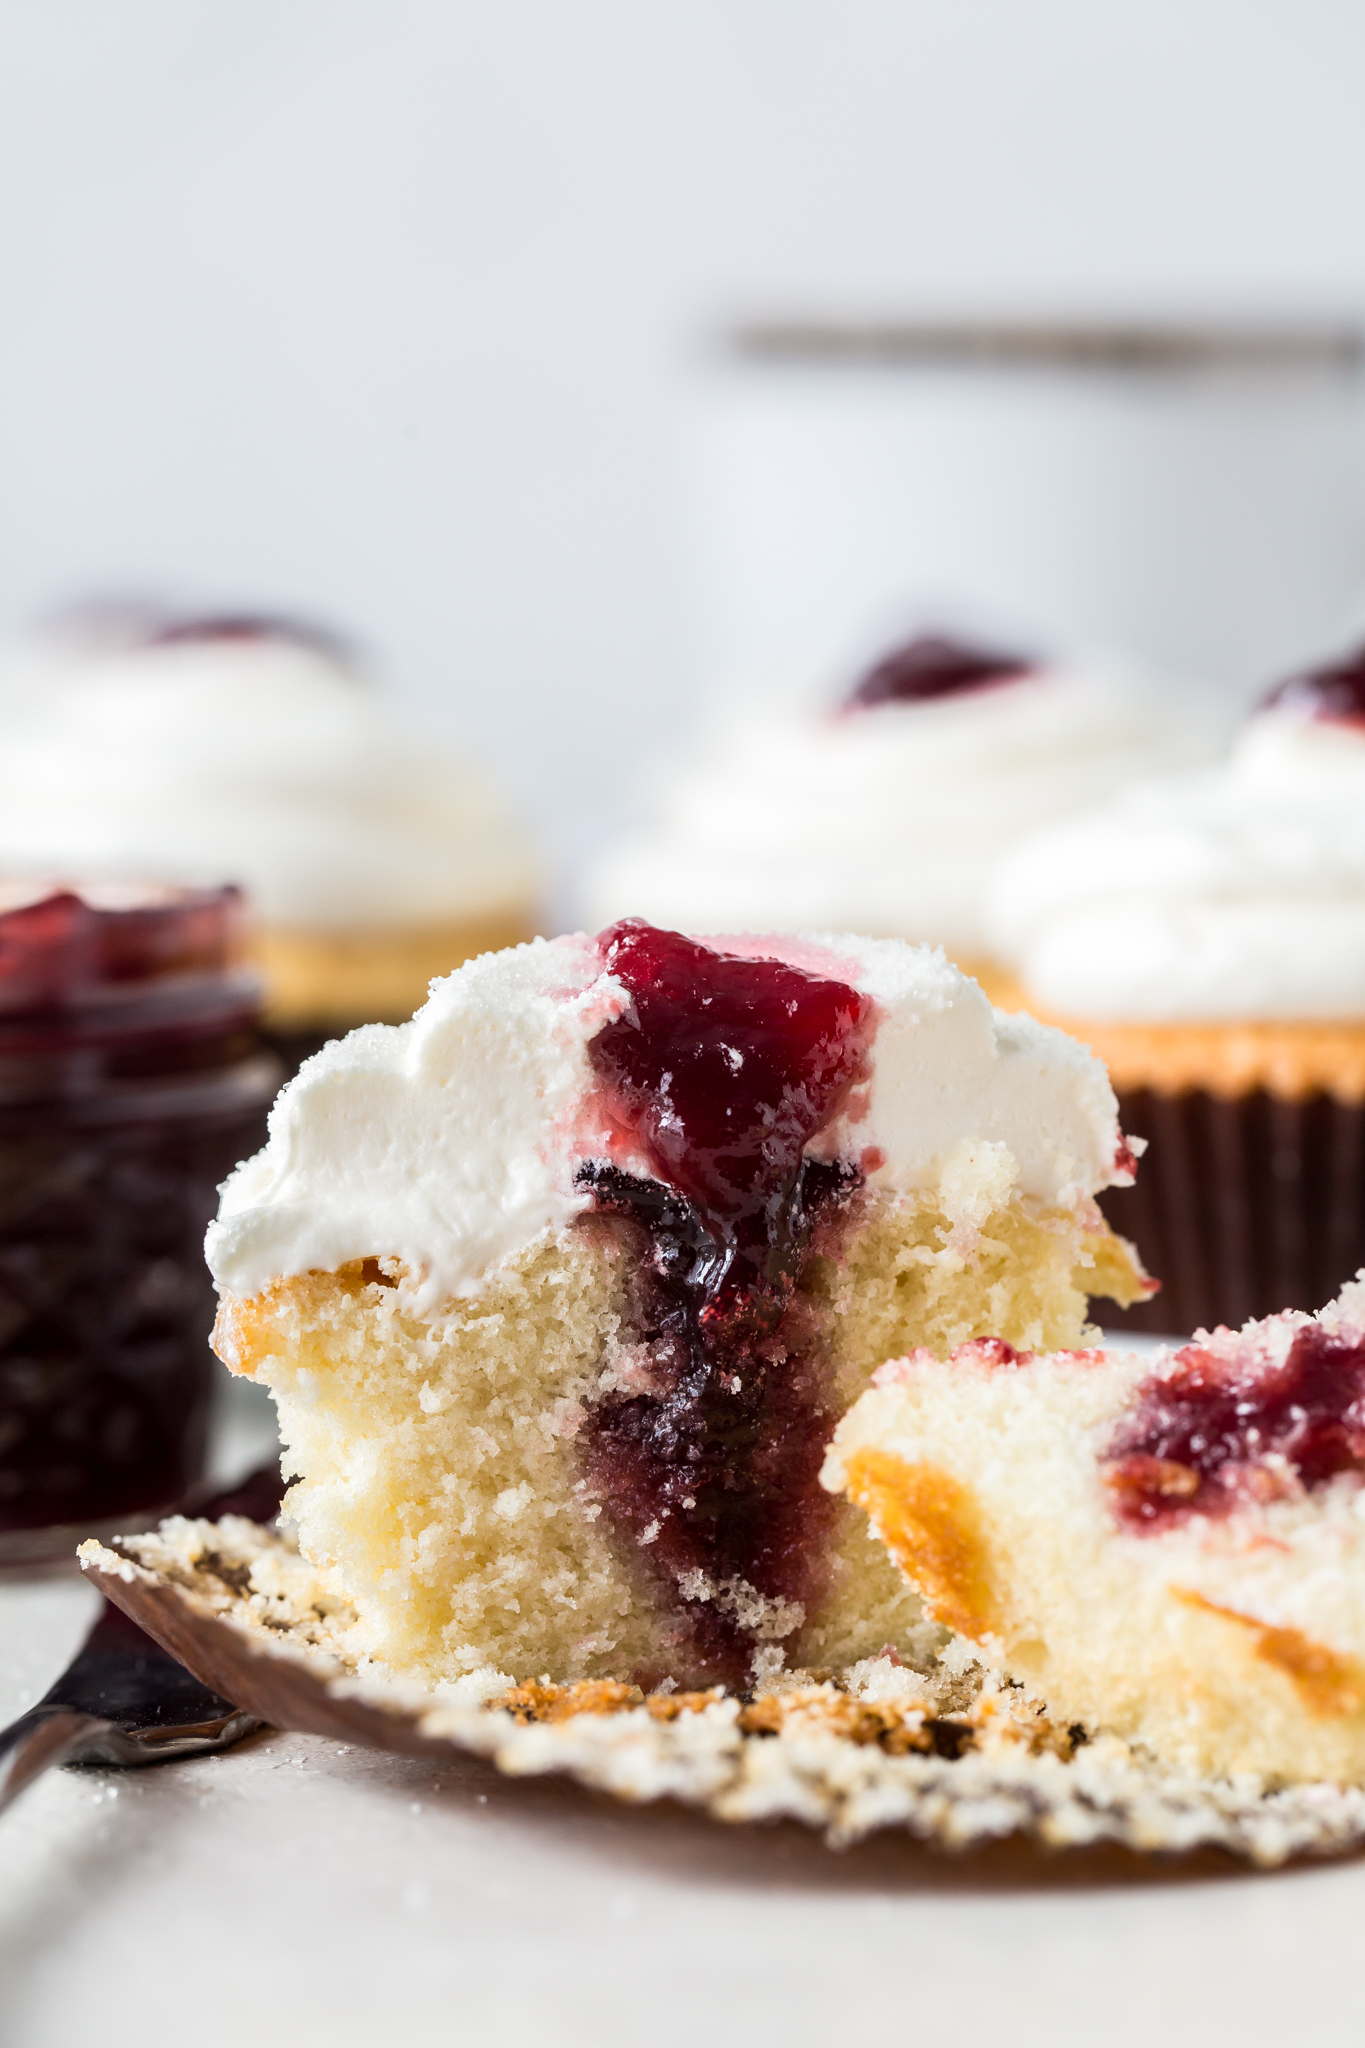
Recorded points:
(1335, 691)
(1223, 1429)
(707, 1455)
(933, 666)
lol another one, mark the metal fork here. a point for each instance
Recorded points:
(125, 1701)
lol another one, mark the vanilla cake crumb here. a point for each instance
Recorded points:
(440, 1492)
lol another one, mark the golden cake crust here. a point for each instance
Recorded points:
(371, 974)
(1286, 1058)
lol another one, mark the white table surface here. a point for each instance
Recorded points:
(294, 1891)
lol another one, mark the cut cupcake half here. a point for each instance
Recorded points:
(562, 1287)
(1174, 1553)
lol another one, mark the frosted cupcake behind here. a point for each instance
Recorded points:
(884, 813)
(1205, 934)
(245, 750)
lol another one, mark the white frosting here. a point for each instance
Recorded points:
(1234, 893)
(884, 820)
(266, 762)
(452, 1141)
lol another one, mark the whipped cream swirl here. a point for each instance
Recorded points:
(886, 818)
(1233, 894)
(453, 1141)
(243, 751)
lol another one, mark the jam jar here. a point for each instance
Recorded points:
(132, 1080)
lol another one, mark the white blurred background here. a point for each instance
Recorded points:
(400, 312)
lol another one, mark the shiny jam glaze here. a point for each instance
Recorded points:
(708, 1455)
(1223, 1429)
(934, 666)
(1336, 691)
(131, 1082)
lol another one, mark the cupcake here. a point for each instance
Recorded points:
(254, 751)
(1170, 1551)
(885, 812)
(561, 1287)
(1205, 935)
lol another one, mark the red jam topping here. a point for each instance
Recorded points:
(1219, 1430)
(1336, 691)
(931, 667)
(723, 1069)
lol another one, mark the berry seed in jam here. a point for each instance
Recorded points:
(1335, 692)
(724, 1069)
(1221, 1429)
(933, 666)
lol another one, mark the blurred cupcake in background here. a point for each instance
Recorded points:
(1205, 934)
(885, 812)
(255, 751)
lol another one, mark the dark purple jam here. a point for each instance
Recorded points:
(1336, 691)
(131, 1082)
(723, 1071)
(1213, 1433)
(933, 666)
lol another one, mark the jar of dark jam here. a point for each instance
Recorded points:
(132, 1080)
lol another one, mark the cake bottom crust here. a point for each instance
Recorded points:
(1288, 1058)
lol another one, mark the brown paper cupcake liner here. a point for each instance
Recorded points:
(1243, 1205)
(954, 1760)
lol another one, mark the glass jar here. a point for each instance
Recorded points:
(132, 1080)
